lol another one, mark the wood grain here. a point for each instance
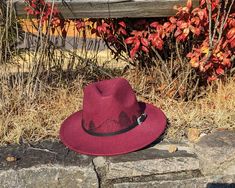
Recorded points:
(111, 8)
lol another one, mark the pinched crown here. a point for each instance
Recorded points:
(109, 106)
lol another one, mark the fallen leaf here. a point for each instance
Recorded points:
(11, 158)
(172, 148)
(193, 134)
(221, 129)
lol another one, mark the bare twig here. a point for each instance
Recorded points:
(210, 23)
(212, 42)
(41, 149)
(224, 20)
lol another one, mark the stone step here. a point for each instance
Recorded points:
(208, 163)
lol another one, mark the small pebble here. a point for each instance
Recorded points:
(202, 134)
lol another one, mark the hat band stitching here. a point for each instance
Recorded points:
(138, 121)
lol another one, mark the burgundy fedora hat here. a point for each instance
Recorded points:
(112, 121)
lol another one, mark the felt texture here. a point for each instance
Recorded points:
(110, 106)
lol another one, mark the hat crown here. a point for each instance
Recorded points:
(109, 106)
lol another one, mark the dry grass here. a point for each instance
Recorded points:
(212, 111)
(41, 119)
(215, 110)
(26, 119)
(34, 103)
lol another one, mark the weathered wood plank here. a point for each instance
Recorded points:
(112, 8)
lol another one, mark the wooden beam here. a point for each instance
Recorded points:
(111, 8)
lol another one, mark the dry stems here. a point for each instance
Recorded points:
(31, 119)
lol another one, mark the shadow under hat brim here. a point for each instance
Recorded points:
(75, 138)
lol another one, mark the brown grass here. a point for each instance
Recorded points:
(211, 109)
(38, 116)
(33, 103)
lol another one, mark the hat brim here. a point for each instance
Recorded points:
(75, 138)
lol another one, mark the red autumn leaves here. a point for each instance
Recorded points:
(137, 41)
(144, 40)
(193, 24)
(43, 11)
(140, 37)
(231, 37)
(213, 55)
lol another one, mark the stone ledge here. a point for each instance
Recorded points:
(146, 162)
(50, 164)
(46, 164)
(216, 153)
(154, 163)
(45, 152)
(44, 176)
(199, 182)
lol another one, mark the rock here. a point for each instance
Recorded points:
(101, 167)
(99, 162)
(120, 168)
(47, 164)
(202, 135)
(51, 164)
(199, 182)
(193, 134)
(148, 162)
(216, 152)
(52, 176)
(172, 148)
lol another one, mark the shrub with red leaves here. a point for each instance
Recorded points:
(43, 11)
(207, 31)
(210, 28)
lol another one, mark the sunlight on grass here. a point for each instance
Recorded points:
(41, 118)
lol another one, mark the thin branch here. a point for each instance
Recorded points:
(210, 23)
(40, 149)
(217, 21)
(224, 20)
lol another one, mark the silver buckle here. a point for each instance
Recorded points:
(141, 118)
